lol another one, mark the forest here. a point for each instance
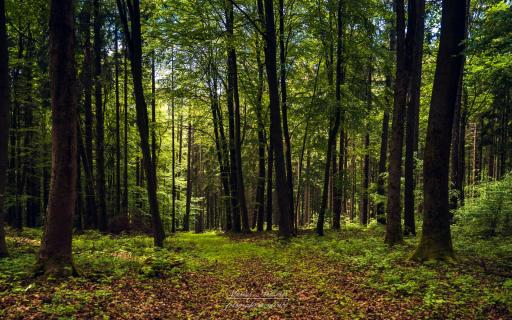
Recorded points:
(255, 159)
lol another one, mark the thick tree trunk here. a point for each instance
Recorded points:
(134, 41)
(100, 128)
(436, 242)
(276, 134)
(55, 257)
(416, 26)
(335, 120)
(394, 209)
(4, 121)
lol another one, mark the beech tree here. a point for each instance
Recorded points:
(436, 241)
(130, 9)
(55, 256)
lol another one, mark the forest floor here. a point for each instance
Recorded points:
(345, 275)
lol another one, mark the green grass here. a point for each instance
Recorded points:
(479, 281)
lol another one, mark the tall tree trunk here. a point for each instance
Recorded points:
(118, 129)
(436, 242)
(134, 41)
(239, 205)
(284, 107)
(335, 120)
(125, 131)
(4, 121)
(220, 143)
(87, 83)
(186, 218)
(270, 165)
(276, 134)
(393, 212)
(173, 149)
(153, 111)
(366, 167)
(55, 257)
(416, 25)
(100, 128)
(260, 189)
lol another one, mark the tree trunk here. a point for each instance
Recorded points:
(416, 27)
(393, 212)
(117, 195)
(239, 205)
(100, 128)
(134, 41)
(186, 218)
(55, 257)
(284, 107)
(173, 170)
(335, 120)
(4, 121)
(366, 167)
(276, 134)
(270, 165)
(260, 189)
(436, 242)
(125, 131)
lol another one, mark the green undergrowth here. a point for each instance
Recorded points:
(479, 280)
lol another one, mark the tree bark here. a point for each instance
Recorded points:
(436, 242)
(55, 255)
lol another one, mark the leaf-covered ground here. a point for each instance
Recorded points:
(345, 275)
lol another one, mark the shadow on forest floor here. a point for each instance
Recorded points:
(345, 275)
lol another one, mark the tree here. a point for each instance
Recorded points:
(436, 241)
(100, 119)
(415, 35)
(239, 205)
(335, 120)
(276, 133)
(55, 255)
(393, 210)
(4, 121)
(132, 32)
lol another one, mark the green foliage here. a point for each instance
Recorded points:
(490, 212)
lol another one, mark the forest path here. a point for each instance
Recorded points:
(347, 275)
